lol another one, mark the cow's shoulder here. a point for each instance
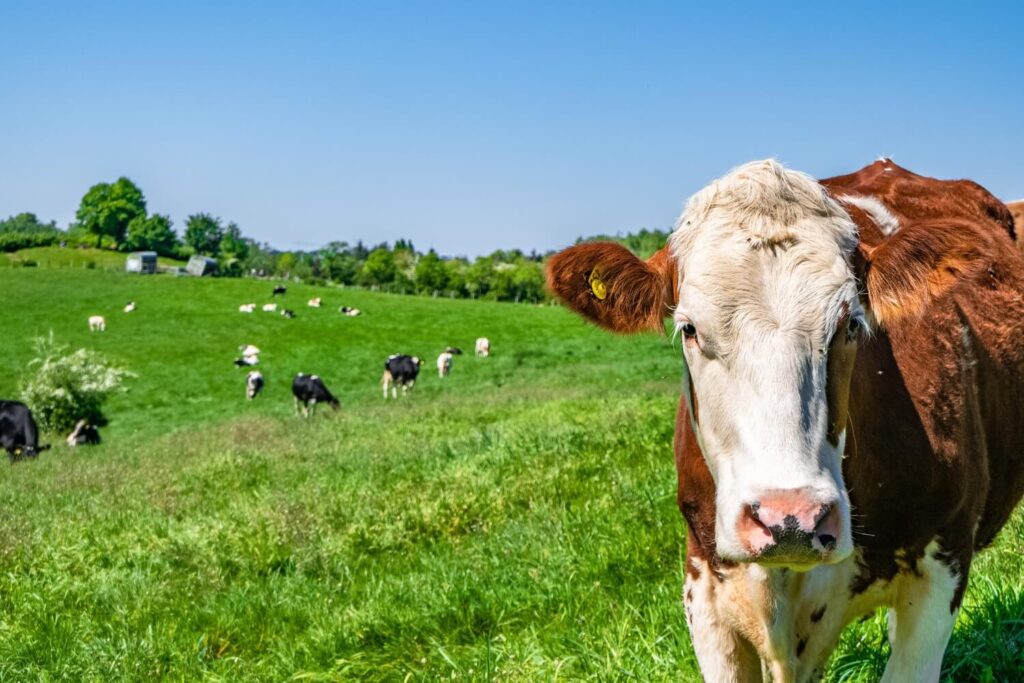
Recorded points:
(914, 198)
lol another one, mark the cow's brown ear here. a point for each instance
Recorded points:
(606, 284)
(918, 265)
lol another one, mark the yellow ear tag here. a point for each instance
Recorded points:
(597, 285)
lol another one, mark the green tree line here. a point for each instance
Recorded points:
(115, 216)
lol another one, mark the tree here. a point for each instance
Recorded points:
(528, 281)
(480, 276)
(379, 268)
(404, 245)
(285, 264)
(455, 276)
(108, 208)
(203, 233)
(431, 275)
(338, 263)
(151, 234)
(26, 224)
(233, 245)
(261, 258)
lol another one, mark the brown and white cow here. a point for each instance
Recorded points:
(851, 429)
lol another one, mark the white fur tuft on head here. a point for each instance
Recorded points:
(770, 204)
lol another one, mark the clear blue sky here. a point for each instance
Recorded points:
(478, 125)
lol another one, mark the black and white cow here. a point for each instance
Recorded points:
(84, 434)
(288, 313)
(400, 371)
(19, 435)
(279, 289)
(253, 384)
(309, 390)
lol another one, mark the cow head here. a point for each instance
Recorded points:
(757, 278)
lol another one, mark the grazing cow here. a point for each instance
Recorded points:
(269, 308)
(279, 289)
(483, 347)
(444, 364)
(129, 307)
(454, 350)
(84, 434)
(314, 302)
(287, 313)
(249, 350)
(253, 384)
(847, 345)
(400, 371)
(19, 435)
(97, 323)
(350, 312)
(309, 390)
(247, 308)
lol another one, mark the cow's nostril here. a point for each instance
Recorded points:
(827, 540)
(752, 509)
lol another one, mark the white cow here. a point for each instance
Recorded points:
(97, 323)
(247, 308)
(444, 364)
(314, 302)
(483, 346)
(129, 307)
(269, 308)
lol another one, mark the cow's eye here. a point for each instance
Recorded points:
(688, 330)
(854, 328)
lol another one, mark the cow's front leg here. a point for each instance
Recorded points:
(722, 653)
(922, 620)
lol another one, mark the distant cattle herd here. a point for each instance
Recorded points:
(19, 434)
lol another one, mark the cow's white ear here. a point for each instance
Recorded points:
(606, 284)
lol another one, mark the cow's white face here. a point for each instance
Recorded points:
(768, 316)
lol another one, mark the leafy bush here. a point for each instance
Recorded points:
(62, 388)
(13, 241)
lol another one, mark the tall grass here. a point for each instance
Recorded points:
(515, 521)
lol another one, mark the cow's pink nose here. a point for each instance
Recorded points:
(789, 522)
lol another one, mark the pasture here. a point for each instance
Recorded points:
(514, 521)
(57, 257)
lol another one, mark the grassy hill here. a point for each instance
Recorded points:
(515, 521)
(68, 257)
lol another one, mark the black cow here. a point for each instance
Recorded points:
(400, 371)
(19, 435)
(288, 313)
(84, 434)
(310, 390)
(454, 350)
(279, 289)
(253, 384)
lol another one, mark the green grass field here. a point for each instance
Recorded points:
(515, 521)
